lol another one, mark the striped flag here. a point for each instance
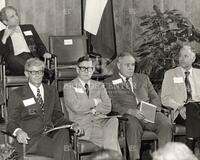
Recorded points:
(93, 13)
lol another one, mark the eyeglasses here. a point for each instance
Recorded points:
(36, 72)
(86, 69)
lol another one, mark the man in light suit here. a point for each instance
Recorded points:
(19, 42)
(88, 104)
(174, 93)
(126, 99)
(34, 109)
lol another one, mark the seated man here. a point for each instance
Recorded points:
(34, 109)
(126, 89)
(19, 42)
(180, 86)
(88, 103)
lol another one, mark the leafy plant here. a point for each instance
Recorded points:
(163, 35)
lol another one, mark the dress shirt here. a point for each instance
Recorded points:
(193, 88)
(130, 81)
(19, 43)
(83, 84)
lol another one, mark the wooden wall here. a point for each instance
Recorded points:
(57, 17)
(50, 17)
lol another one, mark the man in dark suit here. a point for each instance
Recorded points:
(126, 90)
(34, 109)
(19, 42)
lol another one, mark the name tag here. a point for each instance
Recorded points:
(29, 102)
(178, 80)
(79, 90)
(28, 33)
(117, 81)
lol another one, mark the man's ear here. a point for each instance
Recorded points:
(26, 74)
(77, 70)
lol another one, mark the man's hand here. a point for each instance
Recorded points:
(47, 56)
(8, 31)
(79, 131)
(22, 137)
(136, 113)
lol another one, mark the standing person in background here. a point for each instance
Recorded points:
(19, 42)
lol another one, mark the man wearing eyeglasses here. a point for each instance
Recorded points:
(34, 109)
(88, 105)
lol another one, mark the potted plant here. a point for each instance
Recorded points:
(163, 35)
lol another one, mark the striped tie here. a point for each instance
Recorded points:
(40, 100)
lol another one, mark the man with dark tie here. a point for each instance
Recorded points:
(34, 109)
(181, 86)
(126, 90)
(88, 105)
(19, 42)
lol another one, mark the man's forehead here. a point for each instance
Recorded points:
(36, 67)
(10, 12)
(86, 63)
(127, 59)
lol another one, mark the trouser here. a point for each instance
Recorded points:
(16, 63)
(56, 146)
(103, 133)
(135, 128)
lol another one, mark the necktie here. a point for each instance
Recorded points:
(40, 100)
(188, 86)
(127, 84)
(87, 89)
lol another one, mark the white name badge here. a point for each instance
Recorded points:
(79, 90)
(117, 81)
(178, 80)
(28, 33)
(29, 102)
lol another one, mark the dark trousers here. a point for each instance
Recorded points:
(135, 128)
(192, 120)
(16, 64)
(56, 146)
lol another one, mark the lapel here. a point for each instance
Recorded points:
(121, 86)
(27, 93)
(78, 84)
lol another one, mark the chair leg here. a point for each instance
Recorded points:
(155, 145)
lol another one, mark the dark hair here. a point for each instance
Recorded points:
(3, 15)
(84, 58)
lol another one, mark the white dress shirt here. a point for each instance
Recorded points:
(19, 43)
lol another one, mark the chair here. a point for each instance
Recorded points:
(67, 49)
(178, 130)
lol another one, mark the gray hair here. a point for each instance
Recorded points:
(174, 151)
(3, 16)
(33, 62)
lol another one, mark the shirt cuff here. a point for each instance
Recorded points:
(15, 131)
(95, 102)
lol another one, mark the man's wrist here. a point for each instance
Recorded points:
(16, 131)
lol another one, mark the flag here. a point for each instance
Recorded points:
(93, 13)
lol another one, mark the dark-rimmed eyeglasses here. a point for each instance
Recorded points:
(36, 72)
(86, 69)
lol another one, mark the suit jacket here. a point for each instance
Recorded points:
(79, 106)
(33, 41)
(25, 112)
(173, 92)
(124, 99)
